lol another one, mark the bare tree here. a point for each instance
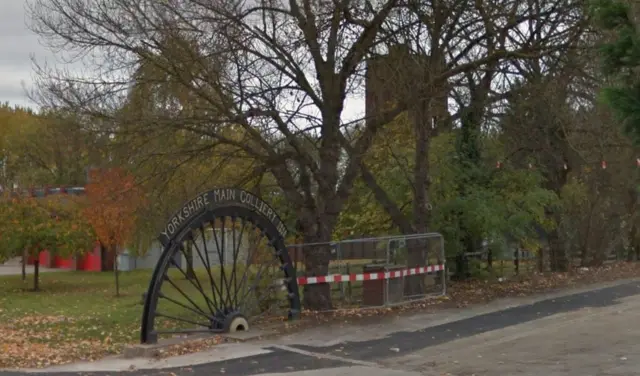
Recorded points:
(465, 52)
(268, 78)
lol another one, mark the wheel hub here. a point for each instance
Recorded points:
(233, 322)
(229, 321)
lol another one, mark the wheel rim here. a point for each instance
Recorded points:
(226, 266)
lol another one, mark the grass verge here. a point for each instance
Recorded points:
(74, 316)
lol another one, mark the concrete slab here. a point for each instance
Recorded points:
(155, 350)
(250, 335)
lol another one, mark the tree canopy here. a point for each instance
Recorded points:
(32, 225)
(620, 52)
(481, 122)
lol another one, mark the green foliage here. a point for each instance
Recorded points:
(496, 204)
(620, 62)
(33, 225)
(478, 270)
(508, 207)
(625, 103)
(48, 148)
(467, 198)
(390, 159)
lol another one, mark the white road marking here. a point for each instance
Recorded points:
(327, 356)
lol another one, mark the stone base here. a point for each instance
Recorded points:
(243, 336)
(154, 350)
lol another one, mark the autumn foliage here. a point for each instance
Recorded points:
(31, 225)
(112, 201)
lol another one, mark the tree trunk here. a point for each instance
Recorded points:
(634, 243)
(316, 262)
(116, 271)
(541, 260)
(584, 255)
(25, 259)
(36, 275)
(417, 254)
(470, 159)
(190, 272)
(557, 253)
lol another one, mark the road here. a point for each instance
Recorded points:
(591, 332)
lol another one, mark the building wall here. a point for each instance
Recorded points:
(214, 252)
(151, 257)
(403, 76)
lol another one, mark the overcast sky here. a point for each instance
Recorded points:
(17, 45)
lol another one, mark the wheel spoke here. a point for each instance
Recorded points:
(196, 311)
(195, 284)
(215, 291)
(236, 253)
(182, 320)
(188, 331)
(255, 283)
(251, 253)
(245, 282)
(186, 297)
(220, 250)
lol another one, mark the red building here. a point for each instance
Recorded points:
(93, 260)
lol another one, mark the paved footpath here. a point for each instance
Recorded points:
(586, 332)
(11, 269)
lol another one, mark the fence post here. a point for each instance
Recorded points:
(386, 270)
(349, 291)
(443, 262)
(338, 248)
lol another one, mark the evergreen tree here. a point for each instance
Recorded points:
(620, 53)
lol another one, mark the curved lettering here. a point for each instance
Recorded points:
(217, 198)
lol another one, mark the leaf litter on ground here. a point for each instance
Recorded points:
(41, 340)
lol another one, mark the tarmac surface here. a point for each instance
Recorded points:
(586, 332)
(13, 267)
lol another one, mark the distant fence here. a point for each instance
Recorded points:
(44, 191)
(501, 264)
(375, 272)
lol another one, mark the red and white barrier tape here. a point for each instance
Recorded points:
(369, 276)
(603, 164)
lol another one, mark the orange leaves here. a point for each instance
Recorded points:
(113, 199)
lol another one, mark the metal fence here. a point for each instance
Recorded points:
(490, 263)
(375, 272)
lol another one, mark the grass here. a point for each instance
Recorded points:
(76, 315)
(76, 306)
